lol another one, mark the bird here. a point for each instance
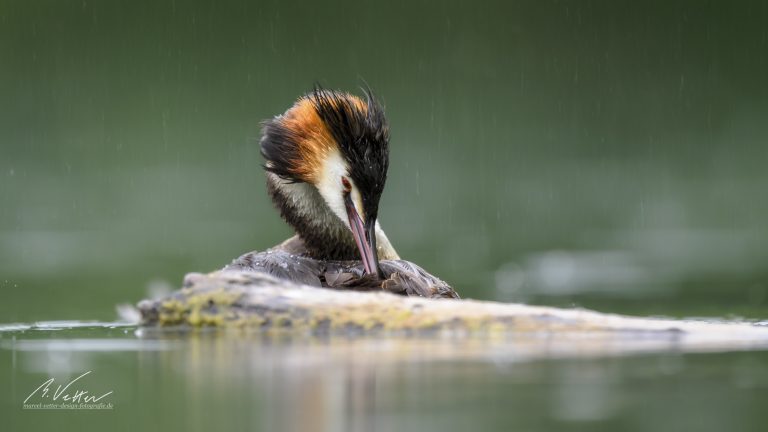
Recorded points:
(326, 160)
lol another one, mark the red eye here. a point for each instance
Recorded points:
(345, 183)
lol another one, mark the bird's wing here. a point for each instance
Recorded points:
(282, 265)
(408, 278)
(402, 277)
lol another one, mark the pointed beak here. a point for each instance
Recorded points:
(365, 238)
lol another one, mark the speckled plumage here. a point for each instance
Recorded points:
(402, 277)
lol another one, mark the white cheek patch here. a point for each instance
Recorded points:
(334, 167)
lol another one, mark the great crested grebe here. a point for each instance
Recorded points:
(326, 166)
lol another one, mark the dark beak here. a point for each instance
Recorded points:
(365, 238)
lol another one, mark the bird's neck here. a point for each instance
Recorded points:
(324, 235)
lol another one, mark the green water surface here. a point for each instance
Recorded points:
(205, 381)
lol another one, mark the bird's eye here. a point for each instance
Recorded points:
(346, 184)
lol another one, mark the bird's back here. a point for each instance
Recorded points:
(287, 262)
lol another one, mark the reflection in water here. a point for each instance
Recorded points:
(344, 384)
(586, 393)
(236, 379)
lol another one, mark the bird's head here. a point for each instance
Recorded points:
(339, 143)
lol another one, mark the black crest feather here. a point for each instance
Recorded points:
(280, 149)
(362, 136)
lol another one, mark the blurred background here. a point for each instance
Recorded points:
(600, 154)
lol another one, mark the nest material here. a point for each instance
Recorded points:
(251, 300)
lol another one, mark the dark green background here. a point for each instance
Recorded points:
(607, 154)
(604, 154)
